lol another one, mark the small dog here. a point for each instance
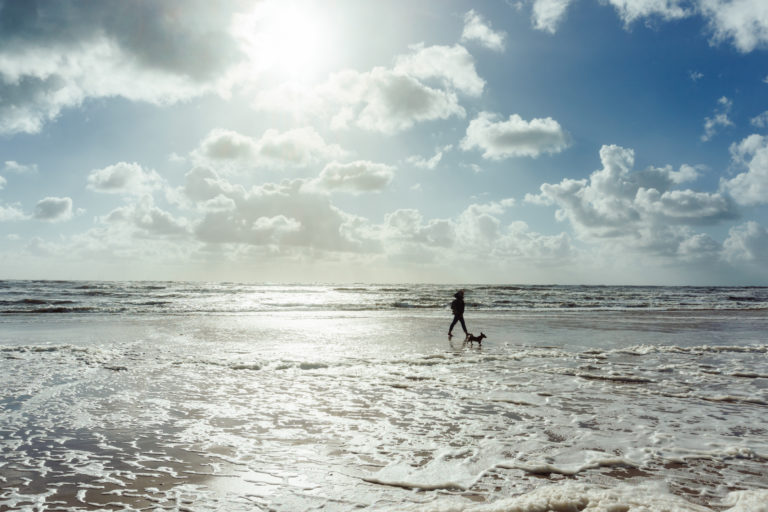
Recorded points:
(472, 338)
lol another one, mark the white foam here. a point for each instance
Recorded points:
(573, 497)
(747, 501)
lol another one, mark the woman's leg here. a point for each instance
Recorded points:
(463, 325)
(455, 319)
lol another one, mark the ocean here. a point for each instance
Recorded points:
(229, 396)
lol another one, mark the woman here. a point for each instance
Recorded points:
(457, 306)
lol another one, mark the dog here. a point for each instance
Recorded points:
(472, 338)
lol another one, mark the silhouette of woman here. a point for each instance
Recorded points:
(457, 306)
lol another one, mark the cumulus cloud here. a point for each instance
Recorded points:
(751, 186)
(719, 119)
(16, 167)
(747, 243)
(632, 10)
(548, 14)
(639, 209)
(145, 219)
(354, 177)
(478, 231)
(11, 212)
(477, 29)
(54, 209)
(3, 181)
(514, 137)
(744, 22)
(55, 55)
(760, 121)
(428, 163)
(451, 65)
(124, 178)
(290, 214)
(423, 85)
(297, 148)
(395, 102)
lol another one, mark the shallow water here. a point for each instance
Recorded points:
(337, 410)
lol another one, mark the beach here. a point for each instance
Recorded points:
(246, 397)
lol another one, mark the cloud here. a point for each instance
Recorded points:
(744, 22)
(11, 212)
(431, 163)
(395, 102)
(297, 148)
(284, 215)
(124, 178)
(477, 29)
(548, 14)
(452, 65)
(477, 232)
(55, 55)
(749, 187)
(423, 85)
(719, 119)
(16, 167)
(3, 181)
(146, 220)
(54, 209)
(354, 177)
(636, 209)
(761, 120)
(747, 243)
(632, 10)
(514, 137)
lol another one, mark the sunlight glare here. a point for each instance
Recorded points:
(290, 39)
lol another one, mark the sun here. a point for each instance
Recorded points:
(290, 39)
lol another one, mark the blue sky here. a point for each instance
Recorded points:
(534, 141)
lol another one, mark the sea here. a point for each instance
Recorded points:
(302, 397)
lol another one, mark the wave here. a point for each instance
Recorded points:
(29, 297)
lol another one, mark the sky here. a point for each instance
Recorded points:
(518, 141)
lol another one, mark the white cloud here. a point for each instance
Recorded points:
(686, 173)
(514, 137)
(718, 119)
(354, 177)
(395, 102)
(632, 10)
(749, 187)
(221, 144)
(477, 232)
(636, 209)
(54, 209)
(11, 212)
(452, 65)
(16, 167)
(423, 85)
(747, 243)
(744, 22)
(3, 181)
(760, 121)
(144, 219)
(299, 147)
(58, 54)
(430, 163)
(124, 178)
(477, 29)
(548, 14)
(285, 215)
